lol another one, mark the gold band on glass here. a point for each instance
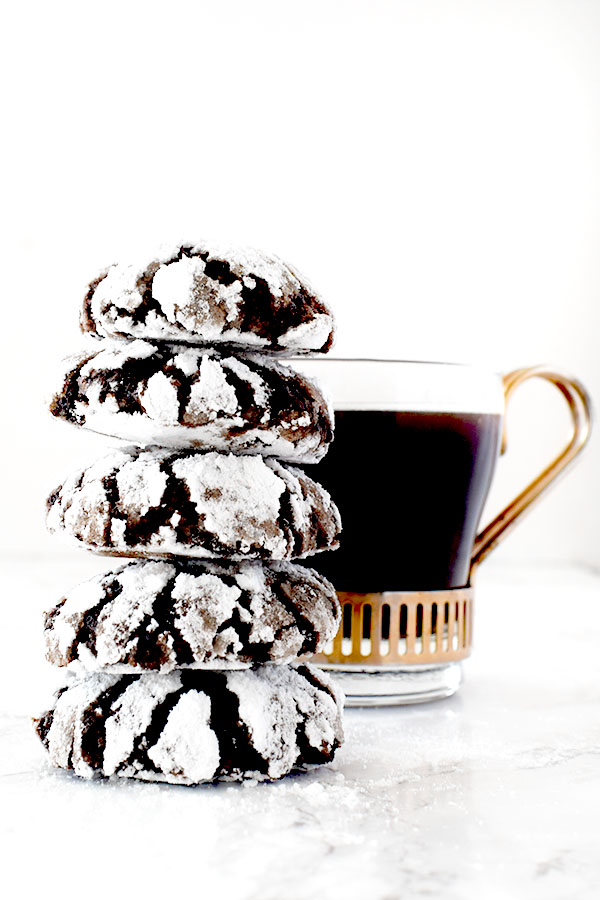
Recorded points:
(431, 627)
(400, 628)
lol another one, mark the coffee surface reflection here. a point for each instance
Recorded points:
(410, 487)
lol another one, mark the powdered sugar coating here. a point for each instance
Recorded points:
(161, 615)
(209, 505)
(188, 748)
(131, 714)
(192, 397)
(191, 727)
(209, 293)
(274, 707)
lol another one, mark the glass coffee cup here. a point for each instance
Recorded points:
(415, 449)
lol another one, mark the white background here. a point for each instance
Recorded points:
(433, 167)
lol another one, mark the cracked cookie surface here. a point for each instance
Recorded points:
(163, 615)
(209, 294)
(161, 502)
(191, 397)
(188, 727)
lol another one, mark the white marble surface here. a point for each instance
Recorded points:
(493, 793)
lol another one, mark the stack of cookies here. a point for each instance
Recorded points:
(188, 658)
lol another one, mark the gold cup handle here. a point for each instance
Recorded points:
(580, 407)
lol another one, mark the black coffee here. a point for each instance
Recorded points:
(410, 487)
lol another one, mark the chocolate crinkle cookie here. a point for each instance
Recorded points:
(208, 294)
(161, 502)
(188, 727)
(190, 397)
(164, 615)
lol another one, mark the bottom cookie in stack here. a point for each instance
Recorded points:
(194, 726)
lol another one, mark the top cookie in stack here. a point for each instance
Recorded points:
(178, 374)
(207, 294)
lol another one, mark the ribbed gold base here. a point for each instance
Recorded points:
(402, 628)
